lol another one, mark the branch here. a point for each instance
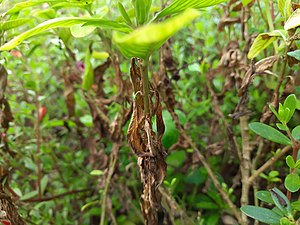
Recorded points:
(45, 199)
(269, 163)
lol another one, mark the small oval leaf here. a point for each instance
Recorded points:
(292, 182)
(296, 133)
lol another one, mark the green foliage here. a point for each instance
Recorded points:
(261, 214)
(263, 40)
(269, 133)
(143, 41)
(178, 6)
(293, 21)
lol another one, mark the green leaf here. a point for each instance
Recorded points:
(295, 54)
(282, 126)
(124, 14)
(290, 103)
(297, 164)
(296, 205)
(293, 21)
(142, 8)
(246, 2)
(296, 133)
(96, 172)
(63, 22)
(89, 204)
(88, 76)
(264, 196)
(10, 24)
(269, 133)
(44, 183)
(261, 214)
(292, 182)
(143, 41)
(178, 6)
(274, 111)
(281, 201)
(23, 5)
(29, 195)
(263, 40)
(80, 31)
(284, 8)
(290, 161)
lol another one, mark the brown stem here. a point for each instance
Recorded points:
(245, 164)
(144, 71)
(269, 163)
(45, 199)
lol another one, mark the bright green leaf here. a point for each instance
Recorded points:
(295, 54)
(261, 214)
(63, 22)
(284, 8)
(246, 2)
(23, 5)
(293, 21)
(178, 6)
(142, 8)
(80, 31)
(264, 196)
(124, 13)
(290, 103)
(96, 172)
(143, 41)
(89, 204)
(269, 133)
(88, 76)
(296, 133)
(274, 111)
(292, 182)
(290, 161)
(297, 164)
(296, 205)
(44, 183)
(10, 24)
(282, 126)
(263, 40)
(100, 55)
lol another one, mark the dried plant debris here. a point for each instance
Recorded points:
(147, 145)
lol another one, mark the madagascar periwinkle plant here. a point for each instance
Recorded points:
(285, 210)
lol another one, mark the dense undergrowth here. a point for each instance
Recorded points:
(68, 101)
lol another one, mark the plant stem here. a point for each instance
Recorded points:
(146, 90)
(245, 164)
(38, 145)
(114, 158)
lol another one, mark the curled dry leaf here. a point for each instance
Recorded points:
(258, 68)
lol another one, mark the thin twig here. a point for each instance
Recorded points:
(269, 163)
(38, 144)
(50, 198)
(114, 158)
